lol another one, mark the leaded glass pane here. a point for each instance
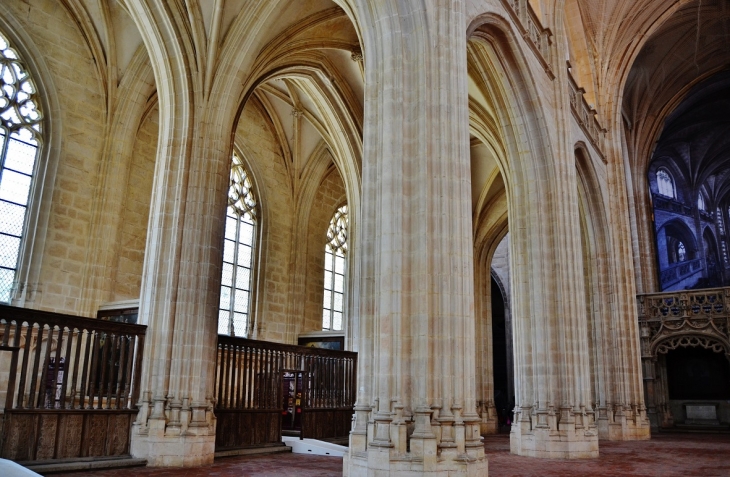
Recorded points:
(229, 248)
(20, 157)
(246, 233)
(227, 275)
(240, 323)
(9, 248)
(340, 264)
(337, 305)
(231, 227)
(244, 255)
(327, 299)
(339, 283)
(11, 218)
(326, 316)
(337, 320)
(243, 278)
(223, 322)
(240, 302)
(225, 298)
(328, 263)
(6, 284)
(14, 187)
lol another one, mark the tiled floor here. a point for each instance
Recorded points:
(666, 455)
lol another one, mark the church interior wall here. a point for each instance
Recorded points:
(576, 226)
(133, 234)
(81, 103)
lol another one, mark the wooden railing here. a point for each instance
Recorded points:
(70, 381)
(250, 404)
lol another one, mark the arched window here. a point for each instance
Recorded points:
(20, 139)
(700, 202)
(681, 252)
(665, 183)
(238, 254)
(335, 271)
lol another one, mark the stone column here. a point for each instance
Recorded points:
(416, 409)
(175, 425)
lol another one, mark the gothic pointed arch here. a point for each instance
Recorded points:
(30, 103)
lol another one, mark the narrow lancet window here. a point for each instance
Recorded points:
(20, 140)
(335, 271)
(701, 202)
(665, 183)
(238, 254)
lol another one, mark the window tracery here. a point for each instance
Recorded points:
(335, 270)
(665, 183)
(20, 140)
(238, 253)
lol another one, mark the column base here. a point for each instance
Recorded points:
(621, 429)
(552, 443)
(380, 463)
(182, 450)
(489, 423)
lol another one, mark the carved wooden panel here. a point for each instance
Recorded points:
(236, 429)
(95, 433)
(63, 434)
(118, 434)
(69, 437)
(47, 430)
(19, 436)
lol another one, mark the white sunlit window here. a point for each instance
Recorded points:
(334, 271)
(238, 254)
(681, 252)
(701, 202)
(665, 183)
(20, 128)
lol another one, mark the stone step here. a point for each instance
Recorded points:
(92, 463)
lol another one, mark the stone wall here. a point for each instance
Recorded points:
(81, 100)
(133, 233)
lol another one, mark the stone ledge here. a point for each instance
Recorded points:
(71, 465)
(274, 449)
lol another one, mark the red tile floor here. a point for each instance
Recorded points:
(665, 455)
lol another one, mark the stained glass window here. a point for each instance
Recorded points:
(238, 254)
(665, 183)
(700, 202)
(20, 139)
(335, 253)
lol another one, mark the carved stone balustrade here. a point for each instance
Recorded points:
(684, 318)
(538, 37)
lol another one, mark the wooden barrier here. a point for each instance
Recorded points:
(72, 385)
(250, 376)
